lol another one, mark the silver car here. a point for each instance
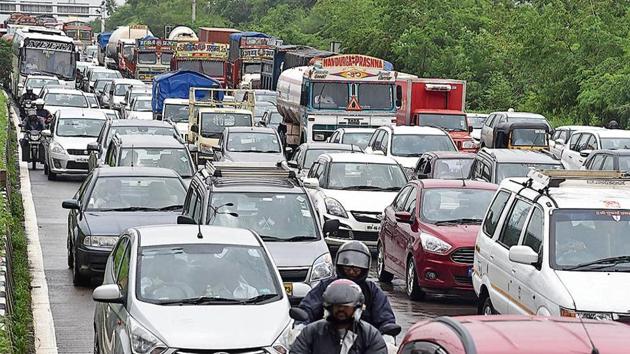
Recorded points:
(179, 287)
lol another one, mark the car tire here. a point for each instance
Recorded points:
(486, 308)
(383, 275)
(412, 288)
(96, 346)
(77, 278)
(70, 258)
(46, 170)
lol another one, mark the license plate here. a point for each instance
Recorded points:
(288, 287)
(82, 160)
(373, 227)
(470, 271)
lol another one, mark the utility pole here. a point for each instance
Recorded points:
(194, 11)
(103, 9)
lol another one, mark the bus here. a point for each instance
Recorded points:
(44, 52)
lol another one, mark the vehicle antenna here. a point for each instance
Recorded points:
(594, 349)
(132, 152)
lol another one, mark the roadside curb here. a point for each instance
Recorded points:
(44, 329)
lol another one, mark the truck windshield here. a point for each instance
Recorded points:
(214, 123)
(329, 95)
(412, 145)
(449, 122)
(251, 68)
(375, 96)
(50, 62)
(147, 58)
(177, 113)
(165, 58)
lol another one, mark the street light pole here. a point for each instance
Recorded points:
(103, 9)
(194, 10)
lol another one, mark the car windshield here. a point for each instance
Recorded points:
(329, 95)
(416, 145)
(275, 120)
(375, 96)
(66, 100)
(99, 85)
(175, 159)
(128, 193)
(579, 236)
(253, 142)
(456, 205)
(214, 123)
(449, 122)
(178, 274)
(92, 101)
(109, 74)
(79, 127)
(281, 215)
(142, 106)
(313, 154)
(506, 170)
(452, 168)
(121, 89)
(140, 130)
(615, 143)
(529, 137)
(177, 113)
(39, 83)
(476, 122)
(359, 139)
(147, 58)
(360, 175)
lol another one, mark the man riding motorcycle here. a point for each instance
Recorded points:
(29, 96)
(342, 330)
(32, 122)
(353, 262)
(42, 113)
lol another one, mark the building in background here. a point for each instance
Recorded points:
(63, 10)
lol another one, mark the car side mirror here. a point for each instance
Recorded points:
(422, 175)
(300, 290)
(293, 164)
(585, 153)
(559, 141)
(311, 183)
(331, 225)
(185, 220)
(470, 128)
(403, 216)
(70, 204)
(194, 128)
(109, 293)
(93, 146)
(298, 314)
(288, 150)
(523, 255)
(390, 329)
(46, 133)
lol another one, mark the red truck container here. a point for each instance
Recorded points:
(216, 35)
(434, 102)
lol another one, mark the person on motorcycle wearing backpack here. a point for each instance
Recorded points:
(42, 112)
(342, 330)
(353, 262)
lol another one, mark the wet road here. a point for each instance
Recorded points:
(73, 309)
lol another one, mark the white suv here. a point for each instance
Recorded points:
(556, 244)
(582, 143)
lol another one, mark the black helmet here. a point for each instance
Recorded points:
(343, 292)
(612, 124)
(29, 89)
(353, 254)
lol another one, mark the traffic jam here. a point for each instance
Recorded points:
(238, 194)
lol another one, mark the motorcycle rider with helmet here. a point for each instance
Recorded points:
(42, 112)
(353, 262)
(29, 95)
(31, 122)
(342, 330)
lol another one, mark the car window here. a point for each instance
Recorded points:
(122, 278)
(574, 140)
(595, 163)
(608, 163)
(385, 141)
(581, 144)
(563, 134)
(410, 203)
(591, 144)
(313, 170)
(376, 138)
(534, 232)
(420, 165)
(486, 173)
(514, 225)
(488, 121)
(494, 212)
(119, 253)
(399, 201)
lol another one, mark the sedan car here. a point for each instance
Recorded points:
(111, 200)
(444, 165)
(159, 297)
(428, 235)
(618, 160)
(249, 144)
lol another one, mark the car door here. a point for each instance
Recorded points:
(389, 229)
(318, 196)
(559, 139)
(571, 154)
(369, 149)
(501, 271)
(609, 163)
(529, 286)
(406, 232)
(486, 130)
(115, 314)
(589, 146)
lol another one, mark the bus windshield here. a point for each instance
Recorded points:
(43, 61)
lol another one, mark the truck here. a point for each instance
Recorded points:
(202, 57)
(349, 90)
(152, 56)
(287, 57)
(123, 32)
(247, 52)
(216, 35)
(211, 111)
(182, 33)
(435, 102)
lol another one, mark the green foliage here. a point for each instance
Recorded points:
(566, 59)
(5, 63)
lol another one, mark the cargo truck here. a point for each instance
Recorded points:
(287, 57)
(152, 56)
(247, 52)
(130, 33)
(202, 57)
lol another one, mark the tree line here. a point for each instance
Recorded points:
(566, 59)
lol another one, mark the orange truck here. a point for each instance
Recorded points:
(434, 102)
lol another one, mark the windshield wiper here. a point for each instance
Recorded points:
(300, 238)
(360, 188)
(200, 301)
(171, 207)
(610, 261)
(407, 155)
(459, 221)
(131, 208)
(259, 151)
(259, 298)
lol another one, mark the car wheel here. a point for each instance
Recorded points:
(96, 347)
(486, 307)
(383, 275)
(77, 278)
(412, 287)
(70, 258)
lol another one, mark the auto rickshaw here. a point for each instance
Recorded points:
(522, 135)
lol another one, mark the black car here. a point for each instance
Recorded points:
(109, 201)
(608, 160)
(494, 165)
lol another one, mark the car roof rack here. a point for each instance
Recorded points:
(557, 178)
(249, 170)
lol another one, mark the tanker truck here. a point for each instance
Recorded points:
(182, 33)
(123, 32)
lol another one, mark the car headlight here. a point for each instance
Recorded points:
(322, 268)
(282, 343)
(206, 149)
(433, 244)
(469, 144)
(600, 316)
(142, 341)
(56, 148)
(100, 241)
(333, 207)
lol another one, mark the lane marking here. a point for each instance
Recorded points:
(44, 327)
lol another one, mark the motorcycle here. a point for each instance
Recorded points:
(34, 138)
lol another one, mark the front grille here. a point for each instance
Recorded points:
(464, 255)
(356, 235)
(239, 351)
(293, 275)
(463, 279)
(78, 152)
(73, 165)
(367, 217)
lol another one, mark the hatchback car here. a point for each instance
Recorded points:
(618, 160)
(111, 200)
(494, 165)
(582, 143)
(352, 136)
(249, 144)
(306, 154)
(444, 165)
(159, 297)
(57, 98)
(428, 234)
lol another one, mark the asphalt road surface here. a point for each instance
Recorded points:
(73, 309)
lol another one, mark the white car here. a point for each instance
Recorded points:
(118, 89)
(176, 110)
(134, 92)
(158, 295)
(561, 136)
(582, 143)
(556, 244)
(406, 144)
(476, 120)
(58, 98)
(37, 82)
(65, 144)
(354, 189)
(140, 108)
(353, 136)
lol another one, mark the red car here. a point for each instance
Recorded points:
(515, 335)
(428, 234)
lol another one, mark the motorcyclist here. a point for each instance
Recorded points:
(31, 122)
(342, 330)
(42, 112)
(353, 262)
(29, 95)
